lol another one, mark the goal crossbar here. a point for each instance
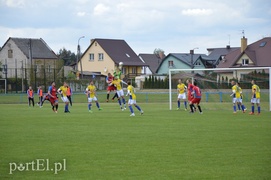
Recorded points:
(217, 69)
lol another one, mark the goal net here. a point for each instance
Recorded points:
(215, 85)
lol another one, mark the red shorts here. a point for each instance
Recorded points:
(195, 100)
(190, 97)
(53, 100)
(111, 88)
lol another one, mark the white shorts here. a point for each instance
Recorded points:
(241, 101)
(255, 100)
(182, 96)
(131, 101)
(65, 99)
(92, 99)
(235, 100)
(120, 93)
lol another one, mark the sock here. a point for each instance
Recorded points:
(107, 96)
(259, 109)
(179, 104)
(243, 107)
(67, 107)
(119, 102)
(199, 108)
(185, 104)
(53, 108)
(191, 107)
(234, 108)
(239, 108)
(89, 106)
(56, 107)
(115, 96)
(123, 101)
(138, 107)
(97, 104)
(252, 108)
(131, 109)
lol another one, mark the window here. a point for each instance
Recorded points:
(101, 56)
(124, 70)
(134, 70)
(49, 68)
(170, 64)
(245, 62)
(91, 57)
(10, 53)
(262, 44)
(197, 63)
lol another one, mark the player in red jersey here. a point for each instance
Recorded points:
(197, 97)
(110, 88)
(53, 96)
(189, 92)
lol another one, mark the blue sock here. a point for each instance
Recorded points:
(259, 109)
(66, 107)
(252, 108)
(243, 107)
(239, 107)
(97, 104)
(138, 107)
(185, 104)
(123, 100)
(119, 102)
(234, 108)
(89, 106)
(179, 104)
(131, 109)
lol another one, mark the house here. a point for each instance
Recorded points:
(104, 55)
(181, 61)
(153, 61)
(24, 56)
(257, 54)
(216, 55)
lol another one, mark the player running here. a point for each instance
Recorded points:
(189, 92)
(132, 99)
(90, 92)
(196, 98)
(63, 91)
(255, 98)
(181, 89)
(53, 96)
(117, 83)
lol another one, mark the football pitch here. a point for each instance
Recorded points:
(37, 143)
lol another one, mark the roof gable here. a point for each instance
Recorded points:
(151, 60)
(39, 49)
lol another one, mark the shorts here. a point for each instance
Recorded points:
(236, 100)
(65, 99)
(131, 101)
(92, 99)
(255, 100)
(111, 88)
(190, 97)
(53, 100)
(182, 96)
(195, 100)
(120, 93)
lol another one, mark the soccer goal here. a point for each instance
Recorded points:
(216, 85)
(3, 86)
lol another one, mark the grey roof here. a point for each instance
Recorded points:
(186, 57)
(39, 49)
(152, 60)
(216, 53)
(119, 51)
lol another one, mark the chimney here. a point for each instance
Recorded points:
(161, 55)
(243, 44)
(228, 46)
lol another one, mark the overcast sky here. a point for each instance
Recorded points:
(176, 26)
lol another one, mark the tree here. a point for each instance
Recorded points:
(67, 56)
(159, 52)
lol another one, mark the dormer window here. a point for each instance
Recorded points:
(245, 62)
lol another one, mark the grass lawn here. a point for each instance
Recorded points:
(160, 144)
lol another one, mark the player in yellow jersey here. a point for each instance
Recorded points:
(63, 91)
(234, 93)
(132, 99)
(255, 98)
(181, 91)
(240, 104)
(91, 92)
(117, 83)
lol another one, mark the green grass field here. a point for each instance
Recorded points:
(160, 144)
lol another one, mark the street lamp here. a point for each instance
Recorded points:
(79, 57)
(192, 62)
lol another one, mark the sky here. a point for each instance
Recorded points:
(175, 26)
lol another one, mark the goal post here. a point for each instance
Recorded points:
(217, 81)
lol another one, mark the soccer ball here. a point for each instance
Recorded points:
(120, 65)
